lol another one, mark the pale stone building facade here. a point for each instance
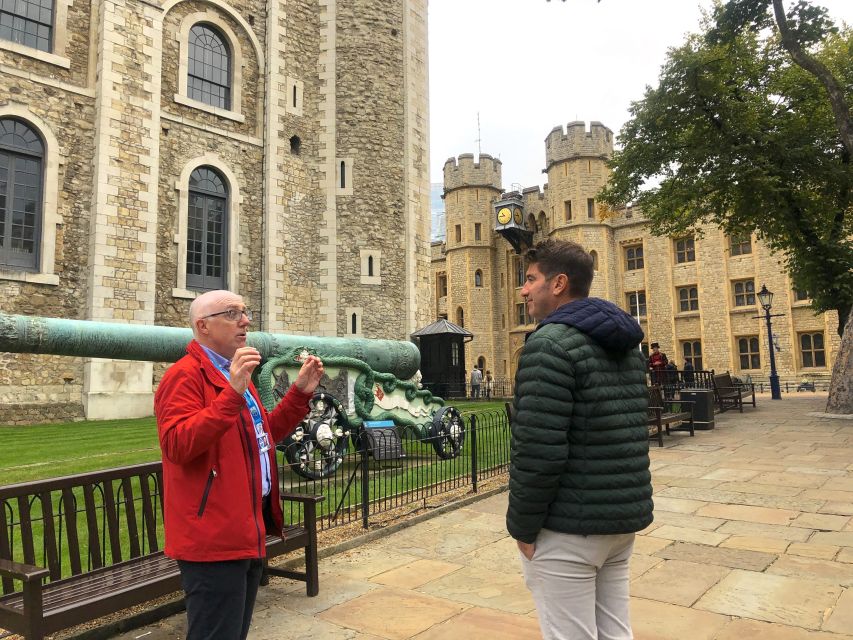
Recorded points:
(695, 295)
(153, 149)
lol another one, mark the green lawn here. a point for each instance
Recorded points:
(49, 450)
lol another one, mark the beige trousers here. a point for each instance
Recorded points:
(580, 585)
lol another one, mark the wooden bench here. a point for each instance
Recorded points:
(664, 412)
(728, 394)
(88, 545)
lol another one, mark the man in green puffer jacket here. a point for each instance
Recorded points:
(579, 483)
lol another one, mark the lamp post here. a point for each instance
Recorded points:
(765, 297)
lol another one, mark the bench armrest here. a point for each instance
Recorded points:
(20, 571)
(301, 497)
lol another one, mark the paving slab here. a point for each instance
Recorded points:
(772, 598)
(390, 613)
(484, 623)
(810, 550)
(756, 543)
(653, 620)
(686, 534)
(762, 515)
(821, 521)
(677, 582)
(483, 588)
(813, 570)
(742, 629)
(840, 620)
(704, 554)
(416, 574)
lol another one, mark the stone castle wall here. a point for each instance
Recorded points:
(313, 83)
(576, 168)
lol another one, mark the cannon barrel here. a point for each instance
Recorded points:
(88, 339)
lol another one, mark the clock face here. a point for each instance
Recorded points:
(518, 218)
(504, 215)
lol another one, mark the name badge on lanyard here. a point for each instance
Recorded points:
(260, 434)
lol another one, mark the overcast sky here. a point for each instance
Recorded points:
(527, 66)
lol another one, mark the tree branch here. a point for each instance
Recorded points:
(840, 109)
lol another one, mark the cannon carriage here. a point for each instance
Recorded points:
(365, 381)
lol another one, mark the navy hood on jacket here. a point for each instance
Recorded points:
(601, 320)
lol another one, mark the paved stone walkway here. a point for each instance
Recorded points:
(753, 538)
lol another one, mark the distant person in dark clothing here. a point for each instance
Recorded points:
(689, 378)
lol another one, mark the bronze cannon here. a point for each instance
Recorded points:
(367, 381)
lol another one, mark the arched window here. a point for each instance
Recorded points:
(295, 145)
(21, 178)
(207, 230)
(209, 69)
(531, 224)
(478, 278)
(481, 364)
(543, 222)
(460, 317)
(594, 255)
(369, 265)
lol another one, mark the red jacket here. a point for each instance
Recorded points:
(211, 475)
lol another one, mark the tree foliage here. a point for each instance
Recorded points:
(749, 129)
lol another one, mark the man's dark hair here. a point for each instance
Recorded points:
(554, 257)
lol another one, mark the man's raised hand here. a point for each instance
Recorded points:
(309, 375)
(242, 364)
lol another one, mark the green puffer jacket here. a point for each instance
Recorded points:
(579, 452)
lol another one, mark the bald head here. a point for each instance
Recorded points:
(211, 302)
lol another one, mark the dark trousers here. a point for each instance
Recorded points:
(220, 597)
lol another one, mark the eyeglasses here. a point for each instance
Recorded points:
(233, 315)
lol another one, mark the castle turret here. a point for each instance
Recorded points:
(470, 189)
(576, 163)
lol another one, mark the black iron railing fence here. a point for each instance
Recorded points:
(498, 389)
(674, 379)
(78, 523)
(371, 480)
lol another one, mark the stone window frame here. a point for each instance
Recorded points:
(213, 18)
(642, 307)
(50, 218)
(295, 89)
(478, 232)
(567, 210)
(343, 179)
(689, 295)
(742, 291)
(478, 279)
(685, 249)
(365, 256)
(354, 314)
(590, 208)
(637, 261)
(749, 351)
(235, 199)
(594, 255)
(691, 351)
(812, 349)
(59, 40)
(441, 284)
(521, 318)
(740, 245)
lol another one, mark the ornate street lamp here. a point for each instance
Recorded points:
(765, 297)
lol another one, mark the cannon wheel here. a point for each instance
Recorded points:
(324, 442)
(447, 433)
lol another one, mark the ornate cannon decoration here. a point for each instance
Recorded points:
(366, 380)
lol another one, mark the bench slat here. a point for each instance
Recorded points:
(26, 529)
(5, 547)
(130, 515)
(49, 533)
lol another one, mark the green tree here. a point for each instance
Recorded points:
(749, 129)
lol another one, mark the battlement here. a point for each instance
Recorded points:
(464, 172)
(575, 142)
(533, 197)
